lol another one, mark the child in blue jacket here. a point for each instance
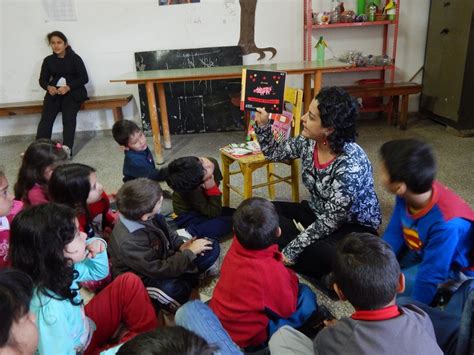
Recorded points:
(431, 229)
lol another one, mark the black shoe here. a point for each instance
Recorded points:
(324, 284)
(315, 322)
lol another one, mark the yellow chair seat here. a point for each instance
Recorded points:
(249, 163)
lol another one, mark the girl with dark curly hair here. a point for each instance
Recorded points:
(76, 186)
(338, 175)
(47, 244)
(38, 163)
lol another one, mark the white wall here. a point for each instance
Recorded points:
(108, 32)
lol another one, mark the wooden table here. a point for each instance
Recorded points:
(160, 77)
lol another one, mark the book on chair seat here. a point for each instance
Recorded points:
(262, 89)
(238, 150)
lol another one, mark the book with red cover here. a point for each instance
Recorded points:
(263, 89)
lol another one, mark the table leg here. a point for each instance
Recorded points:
(318, 81)
(226, 162)
(155, 126)
(404, 112)
(118, 113)
(307, 96)
(164, 116)
(396, 103)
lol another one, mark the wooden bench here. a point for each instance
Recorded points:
(113, 102)
(392, 90)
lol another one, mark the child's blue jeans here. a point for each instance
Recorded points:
(199, 225)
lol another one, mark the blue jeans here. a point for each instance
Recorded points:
(449, 324)
(199, 225)
(209, 257)
(170, 293)
(304, 309)
(409, 266)
(199, 318)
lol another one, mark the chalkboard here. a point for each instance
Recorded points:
(196, 106)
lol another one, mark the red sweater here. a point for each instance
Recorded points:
(252, 281)
(100, 207)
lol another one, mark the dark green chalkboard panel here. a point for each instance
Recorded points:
(196, 106)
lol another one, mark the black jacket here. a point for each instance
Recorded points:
(71, 68)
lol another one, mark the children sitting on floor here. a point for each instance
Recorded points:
(40, 159)
(197, 199)
(142, 243)
(366, 273)
(8, 209)
(256, 294)
(431, 229)
(76, 185)
(138, 160)
(46, 243)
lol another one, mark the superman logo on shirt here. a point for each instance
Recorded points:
(412, 239)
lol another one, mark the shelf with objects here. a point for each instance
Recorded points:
(385, 16)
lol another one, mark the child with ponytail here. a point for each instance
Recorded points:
(39, 161)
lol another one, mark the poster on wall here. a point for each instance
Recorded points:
(59, 10)
(177, 2)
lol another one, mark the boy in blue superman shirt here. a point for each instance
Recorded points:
(431, 229)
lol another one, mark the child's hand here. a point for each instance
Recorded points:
(198, 246)
(286, 261)
(261, 117)
(330, 322)
(209, 183)
(95, 248)
(186, 244)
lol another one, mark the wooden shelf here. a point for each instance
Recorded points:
(352, 24)
(389, 37)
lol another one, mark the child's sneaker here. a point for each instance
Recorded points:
(315, 322)
(214, 270)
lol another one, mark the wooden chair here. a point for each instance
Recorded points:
(248, 164)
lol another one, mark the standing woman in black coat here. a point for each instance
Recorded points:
(63, 76)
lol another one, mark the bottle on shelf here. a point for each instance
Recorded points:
(371, 11)
(391, 10)
(360, 7)
(336, 12)
(321, 50)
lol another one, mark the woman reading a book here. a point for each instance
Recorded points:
(338, 175)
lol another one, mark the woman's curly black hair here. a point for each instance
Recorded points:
(38, 237)
(338, 110)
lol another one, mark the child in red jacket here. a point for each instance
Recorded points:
(256, 294)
